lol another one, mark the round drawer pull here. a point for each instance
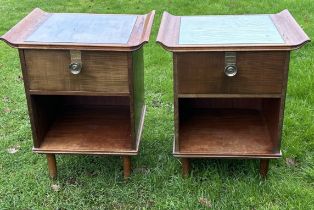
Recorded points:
(75, 68)
(230, 70)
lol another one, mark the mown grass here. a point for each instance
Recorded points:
(95, 182)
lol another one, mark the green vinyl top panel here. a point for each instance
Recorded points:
(228, 29)
(84, 28)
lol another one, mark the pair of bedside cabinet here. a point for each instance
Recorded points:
(84, 82)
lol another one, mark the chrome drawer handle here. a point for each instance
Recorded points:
(231, 70)
(76, 62)
(230, 64)
(75, 68)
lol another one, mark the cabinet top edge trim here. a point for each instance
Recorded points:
(293, 35)
(16, 37)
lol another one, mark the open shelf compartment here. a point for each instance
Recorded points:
(226, 127)
(83, 125)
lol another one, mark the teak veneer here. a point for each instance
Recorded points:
(230, 77)
(84, 82)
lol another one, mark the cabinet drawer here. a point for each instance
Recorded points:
(48, 70)
(257, 73)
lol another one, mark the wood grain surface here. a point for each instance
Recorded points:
(89, 129)
(228, 127)
(138, 104)
(203, 73)
(48, 70)
(225, 132)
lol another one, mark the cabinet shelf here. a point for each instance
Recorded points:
(85, 125)
(90, 129)
(226, 128)
(225, 133)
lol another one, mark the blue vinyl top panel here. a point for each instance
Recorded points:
(228, 29)
(84, 28)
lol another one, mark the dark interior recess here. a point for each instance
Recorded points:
(82, 123)
(228, 126)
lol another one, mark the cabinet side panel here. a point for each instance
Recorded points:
(45, 110)
(138, 92)
(283, 97)
(30, 105)
(273, 109)
(271, 113)
(175, 103)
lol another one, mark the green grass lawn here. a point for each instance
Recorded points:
(96, 182)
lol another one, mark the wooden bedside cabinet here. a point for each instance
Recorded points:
(230, 79)
(84, 82)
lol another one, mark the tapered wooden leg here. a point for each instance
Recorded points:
(52, 165)
(263, 167)
(126, 166)
(185, 167)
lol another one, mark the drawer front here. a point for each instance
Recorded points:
(48, 70)
(257, 73)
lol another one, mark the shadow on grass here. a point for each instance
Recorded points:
(225, 168)
(89, 166)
